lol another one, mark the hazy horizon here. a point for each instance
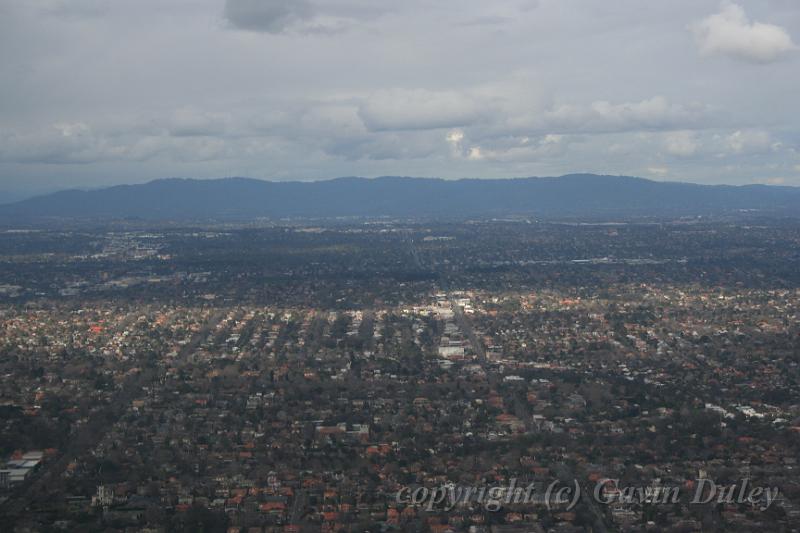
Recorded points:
(7, 197)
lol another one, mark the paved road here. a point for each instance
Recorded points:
(586, 501)
(298, 508)
(465, 324)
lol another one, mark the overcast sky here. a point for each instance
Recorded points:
(98, 92)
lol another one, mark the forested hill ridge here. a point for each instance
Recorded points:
(244, 198)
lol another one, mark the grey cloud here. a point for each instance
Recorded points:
(486, 20)
(400, 146)
(100, 92)
(191, 122)
(75, 8)
(302, 16)
(271, 16)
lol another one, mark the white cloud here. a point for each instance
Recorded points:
(681, 143)
(72, 129)
(59, 143)
(70, 143)
(454, 138)
(658, 171)
(749, 141)
(731, 33)
(603, 116)
(419, 109)
(508, 149)
(516, 108)
(475, 153)
(774, 181)
(460, 147)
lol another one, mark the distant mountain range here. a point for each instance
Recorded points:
(244, 198)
